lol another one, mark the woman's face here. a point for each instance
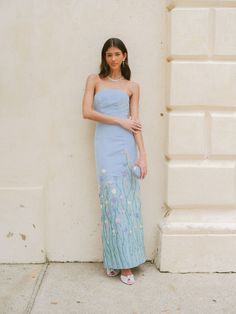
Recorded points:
(114, 57)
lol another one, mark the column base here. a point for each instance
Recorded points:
(197, 241)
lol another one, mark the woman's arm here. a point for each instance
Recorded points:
(89, 112)
(134, 112)
(87, 104)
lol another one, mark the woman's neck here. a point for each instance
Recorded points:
(115, 74)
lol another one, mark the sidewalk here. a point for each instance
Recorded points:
(74, 288)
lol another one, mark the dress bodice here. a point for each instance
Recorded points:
(112, 101)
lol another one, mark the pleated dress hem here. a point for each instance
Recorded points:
(119, 266)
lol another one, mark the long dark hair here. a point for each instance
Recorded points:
(104, 67)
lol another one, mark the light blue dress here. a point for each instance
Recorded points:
(119, 189)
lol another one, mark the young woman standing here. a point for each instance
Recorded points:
(112, 100)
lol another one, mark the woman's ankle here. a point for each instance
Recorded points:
(126, 272)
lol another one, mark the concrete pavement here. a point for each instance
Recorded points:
(83, 288)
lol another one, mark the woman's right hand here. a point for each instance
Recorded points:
(131, 124)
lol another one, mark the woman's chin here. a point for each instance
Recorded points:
(117, 67)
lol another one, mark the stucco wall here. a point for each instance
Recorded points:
(48, 192)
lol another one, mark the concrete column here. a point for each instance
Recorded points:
(198, 231)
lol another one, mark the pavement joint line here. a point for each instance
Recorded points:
(36, 289)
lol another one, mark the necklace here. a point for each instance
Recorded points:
(116, 79)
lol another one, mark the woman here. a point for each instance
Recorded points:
(112, 99)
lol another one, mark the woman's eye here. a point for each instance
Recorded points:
(117, 55)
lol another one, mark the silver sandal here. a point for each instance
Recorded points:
(111, 272)
(129, 280)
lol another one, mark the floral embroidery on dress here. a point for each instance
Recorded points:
(120, 204)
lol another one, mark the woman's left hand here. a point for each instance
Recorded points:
(142, 163)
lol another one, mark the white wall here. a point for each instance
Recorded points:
(48, 192)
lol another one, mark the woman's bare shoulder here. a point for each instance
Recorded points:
(93, 77)
(134, 86)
